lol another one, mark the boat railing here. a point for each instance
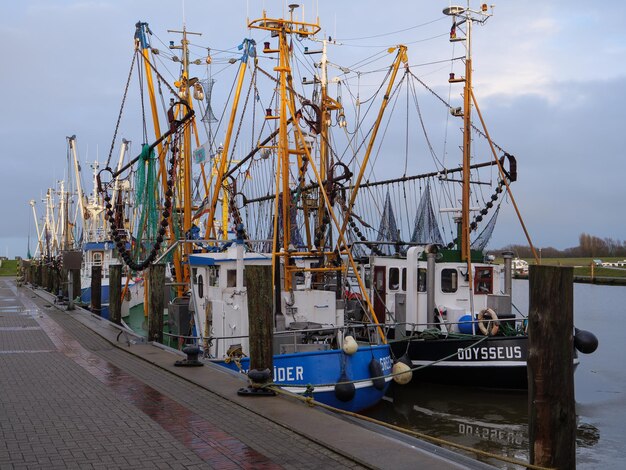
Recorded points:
(322, 334)
(408, 329)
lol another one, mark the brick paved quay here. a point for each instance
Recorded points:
(74, 395)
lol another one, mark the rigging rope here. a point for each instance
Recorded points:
(119, 116)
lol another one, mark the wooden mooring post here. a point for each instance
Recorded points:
(260, 318)
(156, 302)
(551, 407)
(96, 290)
(44, 277)
(261, 325)
(39, 275)
(115, 293)
(75, 279)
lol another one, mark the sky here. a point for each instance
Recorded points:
(550, 77)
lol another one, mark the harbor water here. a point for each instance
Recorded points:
(497, 421)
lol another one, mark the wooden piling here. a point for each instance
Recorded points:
(115, 293)
(44, 277)
(156, 301)
(65, 282)
(551, 413)
(76, 287)
(96, 290)
(55, 276)
(260, 316)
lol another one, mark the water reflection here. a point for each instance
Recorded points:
(488, 420)
(491, 421)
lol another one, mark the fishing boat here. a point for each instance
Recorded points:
(97, 247)
(447, 306)
(314, 351)
(308, 340)
(83, 231)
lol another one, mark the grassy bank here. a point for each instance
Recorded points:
(8, 268)
(583, 267)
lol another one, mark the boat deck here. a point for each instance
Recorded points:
(77, 394)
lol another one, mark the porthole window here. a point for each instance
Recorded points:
(200, 286)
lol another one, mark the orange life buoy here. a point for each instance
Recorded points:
(491, 325)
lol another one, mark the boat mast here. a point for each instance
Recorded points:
(249, 50)
(467, 142)
(283, 29)
(39, 247)
(462, 15)
(141, 42)
(79, 187)
(184, 85)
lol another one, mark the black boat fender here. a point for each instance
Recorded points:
(376, 371)
(585, 341)
(492, 325)
(344, 389)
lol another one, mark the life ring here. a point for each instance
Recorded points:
(492, 325)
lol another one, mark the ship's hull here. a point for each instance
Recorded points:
(495, 362)
(318, 372)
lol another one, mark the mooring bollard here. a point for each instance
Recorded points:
(192, 352)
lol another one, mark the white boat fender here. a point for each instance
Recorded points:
(402, 367)
(344, 389)
(492, 325)
(376, 371)
(350, 346)
(585, 341)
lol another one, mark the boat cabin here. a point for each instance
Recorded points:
(220, 303)
(401, 289)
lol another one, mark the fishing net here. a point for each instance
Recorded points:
(147, 224)
(388, 229)
(480, 243)
(426, 229)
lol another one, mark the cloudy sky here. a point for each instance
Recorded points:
(550, 77)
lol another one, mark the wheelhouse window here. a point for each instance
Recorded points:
(213, 276)
(449, 280)
(394, 278)
(483, 280)
(421, 280)
(97, 258)
(403, 279)
(367, 276)
(231, 278)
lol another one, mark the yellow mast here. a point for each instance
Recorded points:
(142, 42)
(282, 28)
(467, 139)
(466, 16)
(249, 50)
(185, 181)
(401, 57)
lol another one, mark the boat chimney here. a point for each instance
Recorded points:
(508, 271)
(431, 254)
